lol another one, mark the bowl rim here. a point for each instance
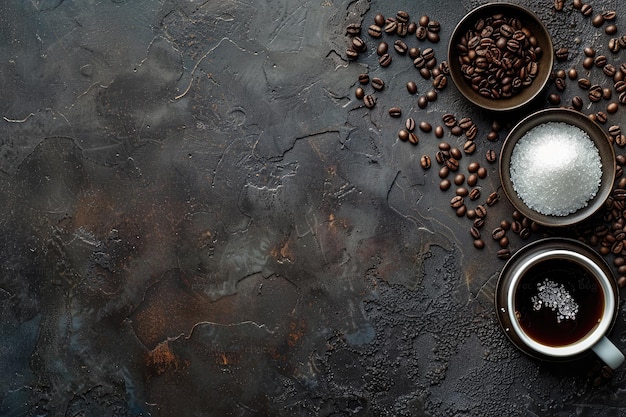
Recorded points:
(597, 135)
(512, 103)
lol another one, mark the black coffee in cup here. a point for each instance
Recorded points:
(558, 302)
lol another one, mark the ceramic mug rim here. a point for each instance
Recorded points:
(591, 338)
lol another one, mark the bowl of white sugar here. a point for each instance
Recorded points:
(557, 167)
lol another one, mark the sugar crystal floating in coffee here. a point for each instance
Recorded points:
(556, 169)
(557, 298)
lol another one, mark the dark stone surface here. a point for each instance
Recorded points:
(200, 219)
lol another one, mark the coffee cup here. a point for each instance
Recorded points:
(557, 299)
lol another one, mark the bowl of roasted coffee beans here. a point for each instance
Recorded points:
(557, 167)
(500, 56)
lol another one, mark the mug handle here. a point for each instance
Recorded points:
(608, 352)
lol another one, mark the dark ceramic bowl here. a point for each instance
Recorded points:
(545, 61)
(601, 141)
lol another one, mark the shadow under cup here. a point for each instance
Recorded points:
(556, 299)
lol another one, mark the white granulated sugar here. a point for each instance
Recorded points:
(556, 168)
(555, 297)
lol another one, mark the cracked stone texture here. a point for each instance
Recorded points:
(200, 219)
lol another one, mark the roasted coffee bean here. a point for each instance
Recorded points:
(353, 29)
(589, 51)
(359, 44)
(479, 244)
(503, 242)
(445, 146)
(474, 194)
(504, 253)
(465, 123)
(577, 102)
(586, 9)
(422, 102)
(456, 153)
(620, 140)
(462, 191)
(385, 60)
(622, 98)
(600, 61)
(425, 127)
(469, 147)
(595, 93)
(558, 5)
(610, 29)
(493, 198)
(481, 211)
(584, 83)
(572, 74)
(414, 52)
(607, 93)
(402, 16)
(482, 173)
(403, 135)
(409, 124)
(369, 101)
(472, 167)
(524, 233)
(491, 156)
(359, 93)
(439, 132)
(364, 79)
(620, 86)
(561, 54)
(379, 19)
(597, 20)
(449, 119)
(516, 227)
(425, 161)
(425, 73)
(419, 62)
(472, 180)
(421, 33)
(479, 222)
(375, 31)
(475, 232)
(432, 36)
(614, 45)
(601, 117)
(621, 160)
(445, 184)
(452, 164)
(612, 107)
(588, 63)
(459, 179)
(352, 53)
(434, 26)
(554, 99)
(402, 29)
(391, 26)
(609, 15)
(493, 136)
(457, 201)
(400, 47)
(431, 95)
(609, 70)
(428, 53)
(411, 28)
(559, 83)
(440, 82)
(395, 112)
(413, 138)
(382, 49)
(423, 20)
(378, 84)
(411, 87)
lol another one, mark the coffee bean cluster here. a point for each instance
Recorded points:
(499, 56)
(424, 60)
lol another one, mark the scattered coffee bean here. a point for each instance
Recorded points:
(369, 101)
(445, 184)
(352, 54)
(469, 147)
(422, 102)
(493, 198)
(610, 30)
(403, 135)
(459, 179)
(577, 102)
(482, 173)
(481, 211)
(479, 244)
(379, 19)
(425, 127)
(558, 5)
(586, 9)
(588, 63)
(359, 93)
(364, 79)
(409, 124)
(411, 87)
(457, 201)
(382, 49)
(572, 73)
(378, 84)
(395, 112)
(425, 161)
(439, 132)
(472, 180)
(554, 99)
(562, 53)
(475, 232)
(385, 60)
(413, 138)
(491, 156)
(474, 195)
(504, 253)
(375, 31)
(597, 20)
(600, 61)
(400, 47)
(359, 44)
(498, 233)
(353, 29)
(584, 83)
(431, 95)
(612, 107)
(589, 51)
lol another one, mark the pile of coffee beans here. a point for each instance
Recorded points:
(499, 56)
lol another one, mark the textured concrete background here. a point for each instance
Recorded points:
(199, 219)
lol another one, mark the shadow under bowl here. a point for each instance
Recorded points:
(599, 138)
(545, 60)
